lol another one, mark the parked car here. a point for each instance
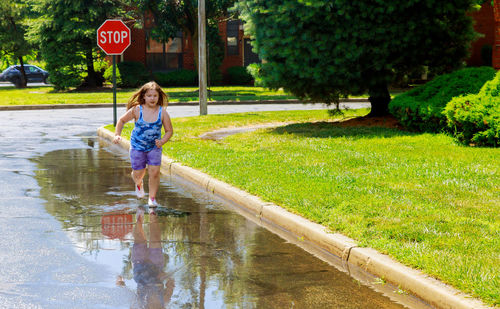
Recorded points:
(33, 74)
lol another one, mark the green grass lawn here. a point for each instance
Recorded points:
(47, 95)
(421, 198)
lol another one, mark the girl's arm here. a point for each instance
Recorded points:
(167, 125)
(129, 115)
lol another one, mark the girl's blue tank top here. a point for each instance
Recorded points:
(145, 133)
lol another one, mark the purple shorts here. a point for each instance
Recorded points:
(139, 159)
(141, 253)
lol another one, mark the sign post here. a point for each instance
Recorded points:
(113, 37)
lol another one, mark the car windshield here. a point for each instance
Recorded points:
(27, 69)
(9, 69)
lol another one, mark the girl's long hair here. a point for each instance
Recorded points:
(138, 97)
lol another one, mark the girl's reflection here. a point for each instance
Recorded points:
(148, 264)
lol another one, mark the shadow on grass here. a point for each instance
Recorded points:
(350, 129)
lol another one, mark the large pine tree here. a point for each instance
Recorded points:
(324, 49)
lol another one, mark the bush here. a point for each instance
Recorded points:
(180, 77)
(129, 74)
(63, 77)
(475, 118)
(254, 70)
(238, 76)
(421, 109)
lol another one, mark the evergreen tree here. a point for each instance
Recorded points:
(323, 50)
(67, 34)
(13, 29)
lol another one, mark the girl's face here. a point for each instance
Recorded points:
(151, 97)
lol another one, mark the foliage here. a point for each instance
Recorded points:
(421, 109)
(129, 74)
(181, 77)
(100, 67)
(253, 70)
(238, 76)
(66, 32)
(322, 50)
(475, 118)
(13, 30)
(215, 52)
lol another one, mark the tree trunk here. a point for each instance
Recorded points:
(379, 100)
(24, 81)
(92, 79)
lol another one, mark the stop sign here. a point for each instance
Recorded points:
(113, 37)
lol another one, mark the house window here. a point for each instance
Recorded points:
(232, 37)
(164, 56)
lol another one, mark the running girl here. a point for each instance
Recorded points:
(148, 109)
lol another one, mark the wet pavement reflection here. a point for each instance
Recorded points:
(72, 236)
(194, 252)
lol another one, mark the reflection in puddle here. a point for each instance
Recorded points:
(154, 286)
(194, 252)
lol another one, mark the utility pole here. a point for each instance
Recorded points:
(202, 57)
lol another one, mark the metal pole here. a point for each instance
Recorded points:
(114, 90)
(202, 57)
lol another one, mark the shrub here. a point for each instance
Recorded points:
(422, 108)
(238, 76)
(475, 118)
(64, 77)
(180, 77)
(129, 74)
(254, 70)
(100, 67)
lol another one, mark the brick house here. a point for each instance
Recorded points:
(484, 23)
(496, 43)
(178, 52)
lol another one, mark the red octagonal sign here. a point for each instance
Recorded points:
(113, 37)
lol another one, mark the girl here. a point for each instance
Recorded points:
(148, 109)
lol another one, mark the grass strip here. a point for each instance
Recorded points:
(47, 95)
(421, 198)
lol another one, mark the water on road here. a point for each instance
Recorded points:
(74, 236)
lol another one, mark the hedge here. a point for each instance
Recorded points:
(474, 119)
(421, 109)
(180, 77)
(129, 74)
(238, 76)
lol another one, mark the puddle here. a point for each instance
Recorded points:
(196, 252)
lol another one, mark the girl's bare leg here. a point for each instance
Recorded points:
(138, 175)
(154, 180)
(154, 232)
(138, 231)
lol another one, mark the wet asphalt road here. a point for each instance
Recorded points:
(72, 238)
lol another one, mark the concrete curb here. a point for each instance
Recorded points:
(190, 103)
(432, 291)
